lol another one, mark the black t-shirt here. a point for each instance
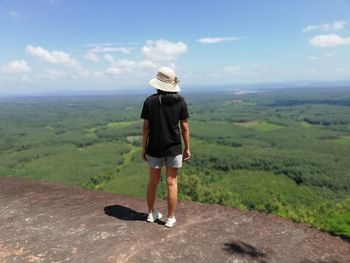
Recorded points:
(164, 136)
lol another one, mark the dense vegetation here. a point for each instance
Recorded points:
(284, 152)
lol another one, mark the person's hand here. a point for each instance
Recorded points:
(186, 155)
(144, 155)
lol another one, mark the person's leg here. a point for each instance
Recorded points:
(171, 180)
(154, 176)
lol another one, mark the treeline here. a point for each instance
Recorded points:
(287, 102)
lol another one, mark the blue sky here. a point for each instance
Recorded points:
(65, 45)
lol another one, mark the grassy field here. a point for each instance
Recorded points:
(284, 152)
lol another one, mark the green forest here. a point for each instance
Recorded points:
(284, 151)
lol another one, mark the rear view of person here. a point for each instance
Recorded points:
(162, 112)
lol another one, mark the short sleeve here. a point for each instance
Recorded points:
(145, 113)
(184, 111)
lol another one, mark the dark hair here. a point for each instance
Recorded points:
(168, 98)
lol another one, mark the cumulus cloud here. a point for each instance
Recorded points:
(55, 57)
(126, 66)
(329, 40)
(16, 66)
(335, 26)
(92, 54)
(74, 70)
(214, 40)
(163, 50)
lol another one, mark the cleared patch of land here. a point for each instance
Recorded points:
(259, 125)
(343, 140)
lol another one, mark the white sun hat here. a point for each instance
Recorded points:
(165, 80)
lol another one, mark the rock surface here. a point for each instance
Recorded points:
(53, 222)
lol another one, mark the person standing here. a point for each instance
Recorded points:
(162, 113)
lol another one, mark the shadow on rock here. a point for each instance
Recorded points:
(124, 213)
(245, 250)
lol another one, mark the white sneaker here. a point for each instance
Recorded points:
(170, 222)
(154, 216)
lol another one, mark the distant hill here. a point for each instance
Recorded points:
(124, 91)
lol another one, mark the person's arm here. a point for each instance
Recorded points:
(145, 134)
(186, 136)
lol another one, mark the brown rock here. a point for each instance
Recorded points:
(53, 222)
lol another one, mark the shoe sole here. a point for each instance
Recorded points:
(150, 221)
(170, 226)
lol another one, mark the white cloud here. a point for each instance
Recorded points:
(126, 66)
(314, 58)
(13, 14)
(214, 40)
(235, 70)
(16, 66)
(310, 71)
(343, 72)
(92, 55)
(163, 50)
(75, 70)
(249, 70)
(123, 50)
(329, 40)
(54, 74)
(55, 57)
(110, 59)
(340, 70)
(335, 26)
(100, 44)
(66, 74)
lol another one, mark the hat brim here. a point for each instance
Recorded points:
(156, 83)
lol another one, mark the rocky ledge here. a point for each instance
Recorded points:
(53, 222)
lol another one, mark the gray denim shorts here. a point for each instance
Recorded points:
(170, 161)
